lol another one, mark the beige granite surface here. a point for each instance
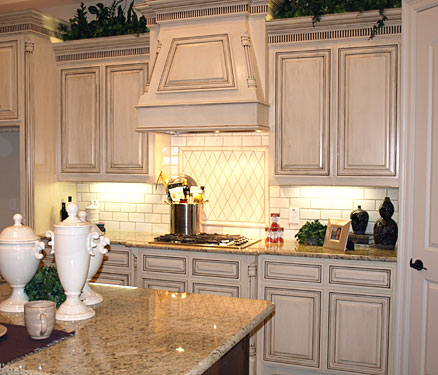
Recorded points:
(290, 248)
(145, 331)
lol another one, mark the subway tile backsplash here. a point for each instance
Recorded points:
(147, 211)
(141, 207)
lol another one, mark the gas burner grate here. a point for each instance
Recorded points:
(235, 241)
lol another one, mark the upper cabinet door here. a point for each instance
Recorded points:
(9, 80)
(302, 113)
(80, 120)
(126, 150)
(367, 111)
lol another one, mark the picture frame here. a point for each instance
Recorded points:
(337, 234)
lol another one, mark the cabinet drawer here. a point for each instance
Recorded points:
(216, 268)
(113, 278)
(155, 263)
(117, 258)
(292, 272)
(219, 290)
(378, 278)
(172, 285)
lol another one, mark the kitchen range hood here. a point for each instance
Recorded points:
(207, 71)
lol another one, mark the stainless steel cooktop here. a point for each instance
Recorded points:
(228, 241)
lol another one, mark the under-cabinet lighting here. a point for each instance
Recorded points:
(179, 350)
(116, 286)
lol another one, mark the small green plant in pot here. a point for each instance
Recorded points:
(311, 233)
(45, 285)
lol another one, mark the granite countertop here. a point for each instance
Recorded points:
(145, 331)
(290, 248)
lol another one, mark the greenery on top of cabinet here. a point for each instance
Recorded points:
(110, 20)
(311, 233)
(317, 8)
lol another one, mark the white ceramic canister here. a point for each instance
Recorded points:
(20, 255)
(72, 243)
(93, 212)
(89, 296)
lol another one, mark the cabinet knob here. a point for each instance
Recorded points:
(418, 265)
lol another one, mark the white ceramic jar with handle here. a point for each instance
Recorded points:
(89, 296)
(72, 243)
(20, 255)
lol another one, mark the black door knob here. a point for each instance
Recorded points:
(418, 265)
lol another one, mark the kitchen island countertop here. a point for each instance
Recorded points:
(290, 248)
(145, 331)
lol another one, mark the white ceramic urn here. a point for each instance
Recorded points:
(89, 296)
(20, 255)
(72, 243)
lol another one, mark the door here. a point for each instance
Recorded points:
(302, 113)
(80, 121)
(367, 138)
(126, 150)
(9, 80)
(420, 189)
(358, 333)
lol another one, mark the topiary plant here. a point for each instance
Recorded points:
(45, 285)
(311, 233)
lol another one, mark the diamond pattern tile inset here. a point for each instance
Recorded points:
(234, 181)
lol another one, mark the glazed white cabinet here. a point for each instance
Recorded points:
(100, 84)
(331, 316)
(336, 102)
(197, 272)
(118, 267)
(27, 106)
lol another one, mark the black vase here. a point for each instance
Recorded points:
(359, 220)
(386, 229)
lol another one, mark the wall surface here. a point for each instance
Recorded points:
(233, 169)
(10, 170)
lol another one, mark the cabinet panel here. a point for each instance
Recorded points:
(173, 285)
(215, 268)
(80, 120)
(292, 272)
(154, 263)
(367, 111)
(126, 149)
(221, 290)
(113, 277)
(9, 80)
(117, 257)
(292, 335)
(358, 333)
(302, 112)
(360, 276)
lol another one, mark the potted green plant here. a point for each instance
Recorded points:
(45, 285)
(109, 21)
(312, 233)
(317, 8)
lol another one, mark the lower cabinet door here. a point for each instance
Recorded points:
(123, 278)
(220, 290)
(292, 336)
(172, 285)
(358, 333)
